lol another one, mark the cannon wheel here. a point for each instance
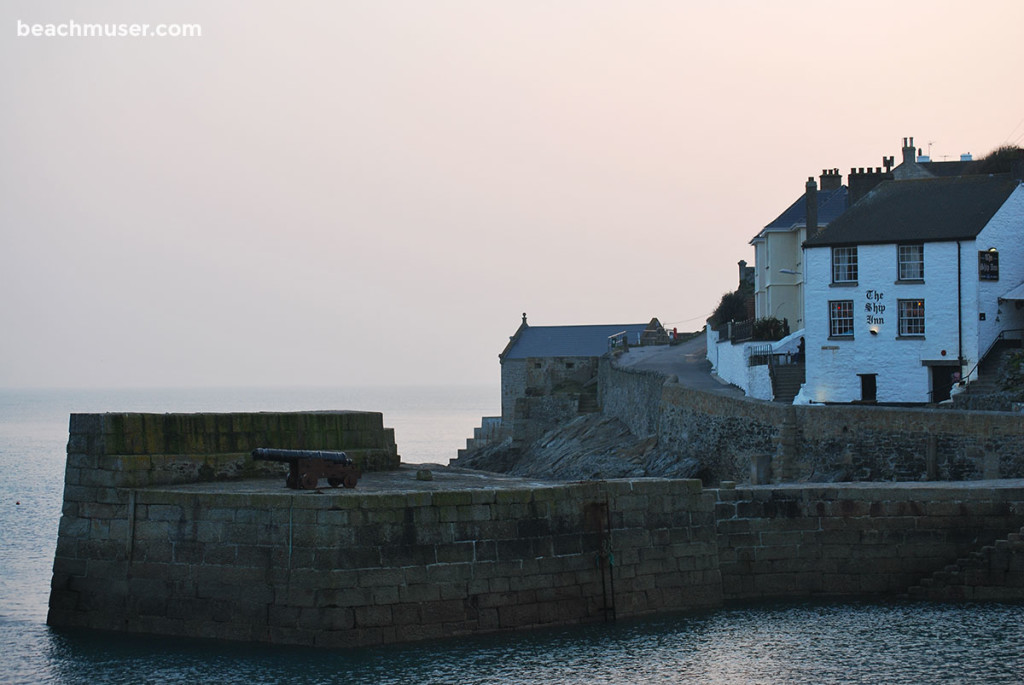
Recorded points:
(350, 480)
(309, 481)
(289, 480)
(334, 481)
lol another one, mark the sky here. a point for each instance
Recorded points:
(360, 193)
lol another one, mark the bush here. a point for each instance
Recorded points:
(770, 328)
(732, 307)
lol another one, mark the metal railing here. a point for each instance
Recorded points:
(735, 331)
(617, 340)
(760, 355)
(1003, 335)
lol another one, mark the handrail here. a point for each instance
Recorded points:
(998, 338)
(760, 355)
(615, 337)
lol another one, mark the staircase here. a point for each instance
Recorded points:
(990, 370)
(588, 401)
(489, 431)
(786, 381)
(996, 572)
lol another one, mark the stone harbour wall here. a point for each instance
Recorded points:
(866, 539)
(347, 569)
(134, 450)
(175, 553)
(729, 435)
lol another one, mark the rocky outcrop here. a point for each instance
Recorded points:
(590, 447)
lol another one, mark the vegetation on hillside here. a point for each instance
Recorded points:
(1001, 160)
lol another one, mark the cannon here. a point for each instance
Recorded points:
(307, 467)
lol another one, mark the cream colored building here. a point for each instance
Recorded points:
(778, 249)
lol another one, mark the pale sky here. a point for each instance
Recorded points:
(371, 193)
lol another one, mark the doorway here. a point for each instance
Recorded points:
(942, 382)
(868, 387)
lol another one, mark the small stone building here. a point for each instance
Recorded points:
(542, 361)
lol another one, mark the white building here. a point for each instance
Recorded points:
(911, 286)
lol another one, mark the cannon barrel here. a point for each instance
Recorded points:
(270, 454)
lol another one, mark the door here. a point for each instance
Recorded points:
(868, 387)
(942, 381)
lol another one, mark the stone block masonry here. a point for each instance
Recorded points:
(136, 450)
(348, 568)
(726, 435)
(156, 537)
(833, 540)
(144, 547)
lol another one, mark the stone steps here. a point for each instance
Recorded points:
(588, 403)
(786, 382)
(991, 368)
(960, 581)
(489, 431)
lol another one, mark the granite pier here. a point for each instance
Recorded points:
(170, 528)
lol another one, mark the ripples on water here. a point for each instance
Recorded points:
(805, 643)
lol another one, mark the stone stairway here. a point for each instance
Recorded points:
(990, 370)
(995, 572)
(487, 432)
(588, 401)
(786, 381)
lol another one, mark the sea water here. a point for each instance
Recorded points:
(804, 642)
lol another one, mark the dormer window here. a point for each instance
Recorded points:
(911, 262)
(844, 265)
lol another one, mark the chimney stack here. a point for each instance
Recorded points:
(862, 181)
(909, 151)
(831, 179)
(811, 196)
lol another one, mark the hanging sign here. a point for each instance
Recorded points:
(988, 265)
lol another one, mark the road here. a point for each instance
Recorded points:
(687, 361)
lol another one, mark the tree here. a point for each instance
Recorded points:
(732, 307)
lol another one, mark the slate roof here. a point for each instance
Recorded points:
(954, 168)
(831, 203)
(566, 341)
(919, 210)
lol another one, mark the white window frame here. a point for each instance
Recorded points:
(911, 316)
(844, 264)
(840, 318)
(910, 262)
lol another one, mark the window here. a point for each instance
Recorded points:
(844, 264)
(840, 318)
(911, 316)
(911, 262)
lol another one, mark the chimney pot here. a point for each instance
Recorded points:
(908, 151)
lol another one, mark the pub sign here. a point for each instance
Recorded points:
(988, 265)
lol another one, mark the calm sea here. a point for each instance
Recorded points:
(778, 643)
